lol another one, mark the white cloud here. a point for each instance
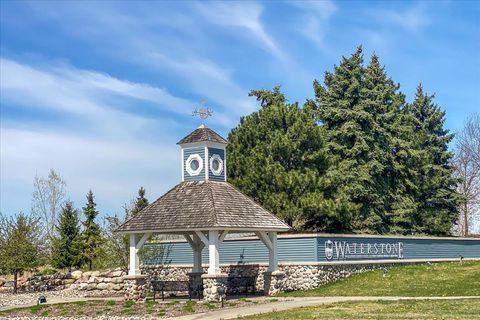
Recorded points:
(108, 166)
(211, 82)
(244, 15)
(144, 38)
(413, 19)
(95, 144)
(314, 23)
(77, 91)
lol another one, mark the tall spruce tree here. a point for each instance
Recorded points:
(140, 203)
(435, 195)
(67, 246)
(277, 157)
(91, 235)
(351, 106)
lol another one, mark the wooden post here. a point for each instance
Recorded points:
(136, 243)
(134, 264)
(273, 252)
(214, 258)
(197, 254)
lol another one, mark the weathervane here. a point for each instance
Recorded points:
(203, 112)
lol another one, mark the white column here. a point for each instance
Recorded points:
(214, 258)
(134, 268)
(272, 253)
(197, 254)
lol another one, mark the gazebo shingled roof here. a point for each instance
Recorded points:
(202, 134)
(203, 205)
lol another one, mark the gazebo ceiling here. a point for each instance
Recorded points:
(203, 205)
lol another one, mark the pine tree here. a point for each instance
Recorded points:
(140, 203)
(277, 157)
(435, 194)
(67, 246)
(91, 236)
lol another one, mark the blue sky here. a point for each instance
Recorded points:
(102, 91)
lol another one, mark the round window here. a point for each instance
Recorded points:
(194, 165)
(216, 165)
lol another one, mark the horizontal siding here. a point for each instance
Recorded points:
(186, 153)
(235, 251)
(308, 249)
(221, 153)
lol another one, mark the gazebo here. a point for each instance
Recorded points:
(204, 208)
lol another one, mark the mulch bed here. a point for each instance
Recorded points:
(112, 308)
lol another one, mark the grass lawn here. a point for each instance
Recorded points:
(438, 279)
(408, 309)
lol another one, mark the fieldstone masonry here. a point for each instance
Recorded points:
(273, 282)
(195, 279)
(300, 276)
(135, 287)
(290, 277)
(109, 281)
(211, 284)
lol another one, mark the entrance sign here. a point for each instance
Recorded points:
(327, 248)
(342, 250)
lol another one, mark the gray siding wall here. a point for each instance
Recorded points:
(186, 153)
(234, 252)
(312, 249)
(221, 153)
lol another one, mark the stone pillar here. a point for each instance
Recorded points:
(135, 287)
(273, 282)
(195, 280)
(211, 283)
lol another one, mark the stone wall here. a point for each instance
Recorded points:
(108, 281)
(300, 276)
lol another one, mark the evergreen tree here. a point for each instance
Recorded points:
(277, 157)
(91, 236)
(19, 245)
(391, 150)
(435, 195)
(140, 203)
(67, 246)
(351, 106)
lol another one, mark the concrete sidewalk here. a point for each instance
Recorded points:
(291, 303)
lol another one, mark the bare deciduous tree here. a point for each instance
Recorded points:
(48, 197)
(467, 165)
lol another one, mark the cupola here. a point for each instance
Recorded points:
(203, 155)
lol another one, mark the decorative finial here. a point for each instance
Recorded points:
(203, 112)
